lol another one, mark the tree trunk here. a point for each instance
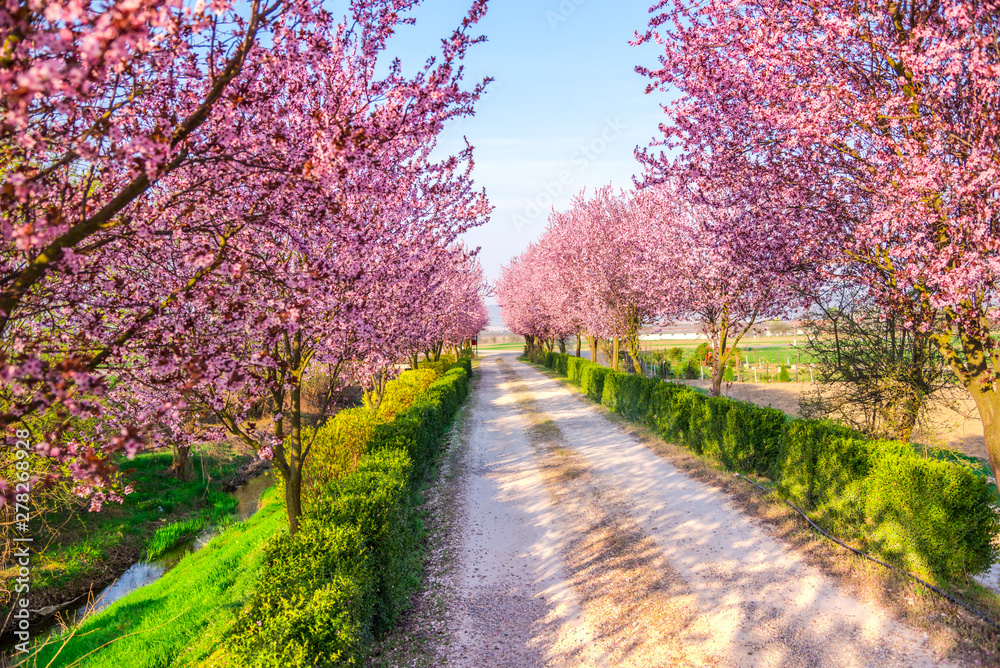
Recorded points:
(633, 351)
(293, 480)
(978, 376)
(414, 362)
(593, 341)
(717, 373)
(182, 467)
(579, 344)
(616, 348)
(562, 345)
(988, 403)
(293, 498)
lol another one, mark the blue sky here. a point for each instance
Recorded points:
(566, 109)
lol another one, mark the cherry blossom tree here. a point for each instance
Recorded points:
(592, 270)
(609, 243)
(463, 314)
(726, 282)
(865, 131)
(522, 293)
(327, 295)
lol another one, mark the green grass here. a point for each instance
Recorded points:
(82, 542)
(169, 536)
(502, 346)
(180, 619)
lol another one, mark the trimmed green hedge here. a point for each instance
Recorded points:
(933, 517)
(327, 592)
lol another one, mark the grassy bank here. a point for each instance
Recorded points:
(179, 619)
(77, 548)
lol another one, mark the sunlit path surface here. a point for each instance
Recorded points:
(695, 580)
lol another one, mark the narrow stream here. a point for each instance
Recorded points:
(143, 573)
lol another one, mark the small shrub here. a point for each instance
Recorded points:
(783, 376)
(712, 425)
(311, 604)
(592, 381)
(804, 445)
(574, 369)
(562, 363)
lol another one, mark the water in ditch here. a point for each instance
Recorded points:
(143, 573)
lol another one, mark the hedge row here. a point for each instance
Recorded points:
(326, 593)
(936, 518)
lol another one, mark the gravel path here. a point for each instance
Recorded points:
(575, 545)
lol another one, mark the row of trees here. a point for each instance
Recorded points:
(806, 146)
(619, 261)
(205, 206)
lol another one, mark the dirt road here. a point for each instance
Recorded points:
(572, 544)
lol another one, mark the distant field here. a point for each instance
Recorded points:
(502, 346)
(770, 350)
(767, 350)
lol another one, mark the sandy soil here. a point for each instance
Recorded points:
(575, 545)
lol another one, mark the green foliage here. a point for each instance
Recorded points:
(310, 599)
(728, 375)
(169, 536)
(536, 353)
(783, 376)
(592, 381)
(934, 517)
(339, 443)
(341, 581)
(662, 414)
(752, 437)
(574, 369)
(929, 513)
(611, 390)
(819, 460)
(562, 363)
(634, 393)
(708, 425)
